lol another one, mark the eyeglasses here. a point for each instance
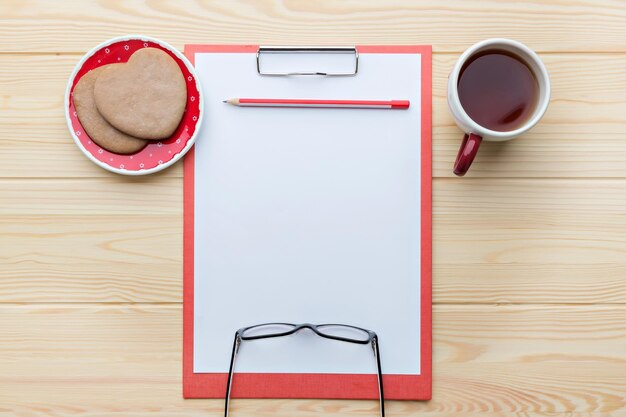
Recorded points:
(340, 332)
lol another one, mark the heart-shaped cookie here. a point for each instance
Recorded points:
(144, 97)
(98, 129)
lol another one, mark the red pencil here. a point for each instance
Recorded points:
(347, 104)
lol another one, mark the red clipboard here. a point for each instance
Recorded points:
(331, 386)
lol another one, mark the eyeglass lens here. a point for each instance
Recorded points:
(272, 329)
(345, 332)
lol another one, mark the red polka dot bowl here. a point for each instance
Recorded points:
(157, 155)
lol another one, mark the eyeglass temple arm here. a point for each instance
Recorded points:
(231, 369)
(381, 394)
(233, 357)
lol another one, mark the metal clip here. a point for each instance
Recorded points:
(308, 49)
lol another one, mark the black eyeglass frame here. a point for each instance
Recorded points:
(372, 340)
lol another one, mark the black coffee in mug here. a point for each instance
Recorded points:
(498, 90)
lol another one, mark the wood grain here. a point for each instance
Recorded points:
(105, 360)
(529, 241)
(97, 258)
(450, 25)
(494, 240)
(113, 195)
(581, 136)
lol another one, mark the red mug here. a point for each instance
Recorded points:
(476, 132)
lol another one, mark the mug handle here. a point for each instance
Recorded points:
(467, 153)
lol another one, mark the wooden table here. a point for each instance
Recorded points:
(529, 250)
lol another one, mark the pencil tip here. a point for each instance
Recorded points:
(224, 101)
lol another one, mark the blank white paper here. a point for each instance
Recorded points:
(307, 215)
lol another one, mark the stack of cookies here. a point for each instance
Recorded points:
(123, 107)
